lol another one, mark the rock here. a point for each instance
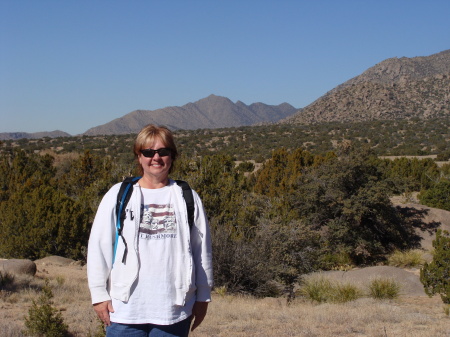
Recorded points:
(18, 266)
(55, 260)
(408, 280)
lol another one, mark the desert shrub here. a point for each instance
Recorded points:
(316, 289)
(384, 288)
(246, 166)
(435, 276)
(346, 292)
(49, 223)
(321, 289)
(346, 199)
(279, 174)
(253, 263)
(336, 261)
(409, 258)
(43, 318)
(285, 251)
(411, 174)
(437, 196)
(443, 156)
(221, 291)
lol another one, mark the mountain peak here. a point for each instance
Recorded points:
(396, 88)
(207, 113)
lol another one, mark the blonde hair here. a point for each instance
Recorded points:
(148, 135)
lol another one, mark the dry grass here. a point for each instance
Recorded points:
(240, 316)
(71, 296)
(232, 316)
(410, 258)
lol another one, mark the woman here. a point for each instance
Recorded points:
(165, 280)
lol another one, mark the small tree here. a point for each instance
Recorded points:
(435, 276)
(44, 319)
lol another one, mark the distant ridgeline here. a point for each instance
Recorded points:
(394, 89)
(34, 135)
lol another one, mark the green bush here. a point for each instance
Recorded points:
(347, 200)
(316, 289)
(346, 292)
(381, 288)
(435, 276)
(437, 196)
(44, 320)
(246, 166)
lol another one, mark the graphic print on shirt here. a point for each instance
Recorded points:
(157, 222)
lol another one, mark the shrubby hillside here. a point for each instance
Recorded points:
(397, 88)
(385, 138)
(300, 211)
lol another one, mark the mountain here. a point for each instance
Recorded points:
(208, 113)
(396, 88)
(18, 135)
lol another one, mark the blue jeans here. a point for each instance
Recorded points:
(180, 329)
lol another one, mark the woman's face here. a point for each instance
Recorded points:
(156, 167)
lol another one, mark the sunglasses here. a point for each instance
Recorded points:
(150, 153)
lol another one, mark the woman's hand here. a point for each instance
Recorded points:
(103, 309)
(198, 313)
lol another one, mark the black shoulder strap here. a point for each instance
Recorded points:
(124, 195)
(189, 198)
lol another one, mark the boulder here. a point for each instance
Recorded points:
(18, 266)
(55, 261)
(409, 280)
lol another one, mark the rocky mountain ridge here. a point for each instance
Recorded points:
(34, 135)
(396, 88)
(208, 113)
(395, 69)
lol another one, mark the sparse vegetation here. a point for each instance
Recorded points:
(321, 289)
(237, 314)
(316, 203)
(385, 137)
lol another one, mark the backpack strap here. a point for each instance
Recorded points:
(189, 199)
(124, 195)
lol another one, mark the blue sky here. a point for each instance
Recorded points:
(74, 64)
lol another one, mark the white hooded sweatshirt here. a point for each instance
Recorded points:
(193, 250)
